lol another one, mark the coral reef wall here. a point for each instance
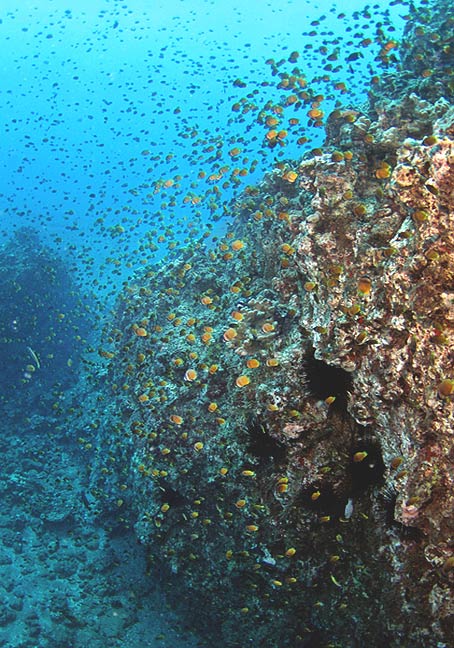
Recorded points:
(285, 401)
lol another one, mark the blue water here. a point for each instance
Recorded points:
(114, 115)
(102, 100)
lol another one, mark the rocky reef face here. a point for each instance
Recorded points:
(286, 400)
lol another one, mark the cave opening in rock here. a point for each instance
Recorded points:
(325, 381)
(260, 442)
(366, 465)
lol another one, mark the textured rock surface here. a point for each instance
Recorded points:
(286, 400)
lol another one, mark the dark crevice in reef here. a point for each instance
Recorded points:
(366, 468)
(322, 498)
(171, 497)
(326, 381)
(260, 442)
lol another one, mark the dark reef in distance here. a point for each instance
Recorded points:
(45, 323)
(284, 403)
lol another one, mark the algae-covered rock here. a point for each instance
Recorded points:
(286, 398)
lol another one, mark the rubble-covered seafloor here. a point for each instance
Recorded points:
(285, 401)
(68, 574)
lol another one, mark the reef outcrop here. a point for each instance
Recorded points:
(286, 400)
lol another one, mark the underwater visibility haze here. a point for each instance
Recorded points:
(227, 306)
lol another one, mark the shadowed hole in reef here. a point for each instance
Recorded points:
(366, 465)
(260, 442)
(322, 498)
(325, 380)
(170, 496)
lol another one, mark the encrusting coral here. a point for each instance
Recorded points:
(288, 402)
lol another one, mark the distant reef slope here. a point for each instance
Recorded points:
(45, 323)
(285, 401)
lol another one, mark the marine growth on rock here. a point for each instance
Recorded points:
(277, 366)
(290, 407)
